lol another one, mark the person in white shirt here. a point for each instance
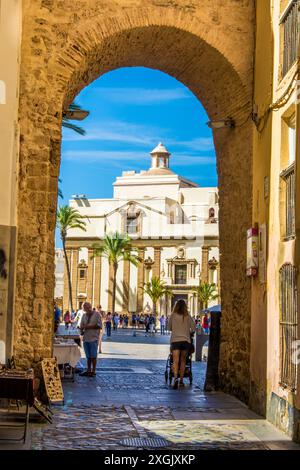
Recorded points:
(102, 315)
(90, 326)
(182, 326)
(78, 318)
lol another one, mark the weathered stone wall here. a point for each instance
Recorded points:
(66, 44)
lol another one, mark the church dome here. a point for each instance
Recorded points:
(160, 149)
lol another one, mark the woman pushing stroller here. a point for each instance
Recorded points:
(181, 326)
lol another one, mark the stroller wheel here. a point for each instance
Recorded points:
(191, 379)
(166, 377)
(170, 379)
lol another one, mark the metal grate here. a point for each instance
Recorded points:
(288, 176)
(144, 443)
(290, 23)
(288, 325)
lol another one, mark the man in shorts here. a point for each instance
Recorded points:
(90, 327)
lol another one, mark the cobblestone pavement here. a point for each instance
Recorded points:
(129, 399)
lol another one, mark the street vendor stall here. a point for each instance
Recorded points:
(67, 353)
(17, 385)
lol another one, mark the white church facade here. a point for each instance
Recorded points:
(173, 225)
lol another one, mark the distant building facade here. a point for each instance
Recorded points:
(59, 276)
(173, 224)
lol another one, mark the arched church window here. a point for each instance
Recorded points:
(132, 225)
(132, 219)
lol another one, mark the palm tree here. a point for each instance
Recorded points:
(116, 247)
(156, 289)
(66, 121)
(206, 292)
(67, 218)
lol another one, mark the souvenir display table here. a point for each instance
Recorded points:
(66, 352)
(17, 385)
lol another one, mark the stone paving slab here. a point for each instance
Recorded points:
(80, 427)
(100, 412)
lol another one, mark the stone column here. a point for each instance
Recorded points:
(140, 281)
(66, 283)
(74, 276)
(218, 281)
(126, 286)
(156, 265)
(204, 265)
(90, 276)
(110, 287)
(97, 281)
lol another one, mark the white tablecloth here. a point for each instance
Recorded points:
(67, 353)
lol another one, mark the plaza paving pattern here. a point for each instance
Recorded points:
(129, 399)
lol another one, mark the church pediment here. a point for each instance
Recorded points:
(135, 208)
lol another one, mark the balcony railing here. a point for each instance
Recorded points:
(288, 326)
(290, 24)
(288, 176)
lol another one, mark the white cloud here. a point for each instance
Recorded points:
(107, 156)
(137, 158)
(199, 144)
(142, 96)
(115, 131)
(187, 160)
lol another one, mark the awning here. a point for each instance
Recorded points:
(215, 308)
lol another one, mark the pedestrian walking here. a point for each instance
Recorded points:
(181, 325)
(116, 321)
(205, 323)
(57, 317)
(162, 321)
(134, 321)
(167, 325)
(108, 322)
(102, 315)
(152, 325)
(67, 319)
(147, 324)
(90, 327)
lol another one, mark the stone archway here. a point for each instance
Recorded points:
(65, 46)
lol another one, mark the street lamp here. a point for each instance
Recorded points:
(229, 122)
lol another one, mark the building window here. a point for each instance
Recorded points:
(180, 273)
(172, 217)
(211, 213)
(132, 225)
(288, 326)
(81, 273)
(290, 34)
(288, 176)
(212, 216)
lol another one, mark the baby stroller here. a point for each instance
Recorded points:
(188, 366)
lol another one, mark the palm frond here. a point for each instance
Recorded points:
(116, 247)
(68, 218)
(206, 292)
(69, 125)
(155, 289)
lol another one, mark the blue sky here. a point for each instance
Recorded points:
(131, 110)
